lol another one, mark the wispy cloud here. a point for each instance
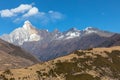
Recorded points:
(32, 11)
(28, 11)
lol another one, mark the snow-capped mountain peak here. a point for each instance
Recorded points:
(27, 25)
(90, 30)
(23, 34)
(72, 33)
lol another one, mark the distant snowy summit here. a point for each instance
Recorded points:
(22, 34)
(28, 33)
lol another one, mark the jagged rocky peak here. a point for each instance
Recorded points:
(27, 25)
(33, 32)
(89, 30)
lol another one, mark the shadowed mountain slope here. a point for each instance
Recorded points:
(112, 41)
(14, 57)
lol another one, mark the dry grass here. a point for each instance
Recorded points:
(30, 72)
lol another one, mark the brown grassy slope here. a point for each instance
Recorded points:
(92, 64)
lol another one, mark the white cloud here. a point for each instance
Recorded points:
(32, 11)
(22, 8)
(12, 12)
(28, 11)
(6, 13)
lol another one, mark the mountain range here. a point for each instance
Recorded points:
(68, 55)
(49, 45)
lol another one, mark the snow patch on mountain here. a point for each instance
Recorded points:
(89, 30)
(72, 35)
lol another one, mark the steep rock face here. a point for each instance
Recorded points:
(14, 57)
(92, 64)
(49, 45)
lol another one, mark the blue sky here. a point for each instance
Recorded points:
(60, 14)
